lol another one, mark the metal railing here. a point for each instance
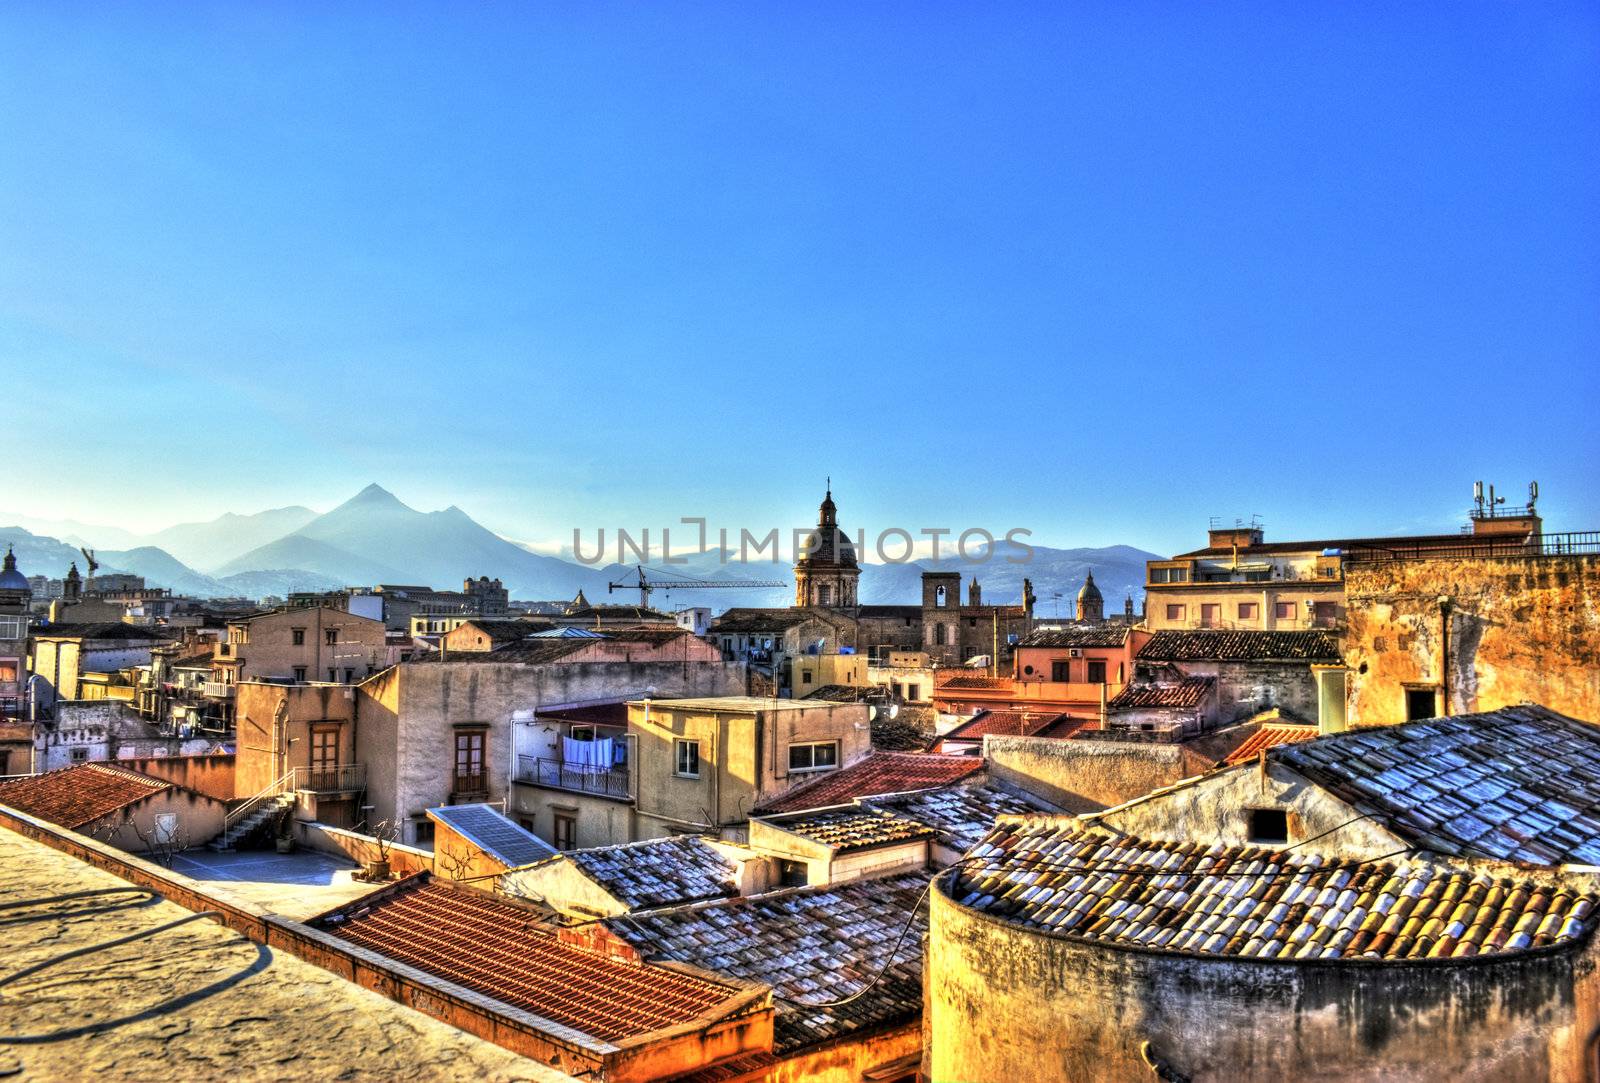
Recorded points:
(327, 778)
(1484, 547)
(217, 690)
(564, 775)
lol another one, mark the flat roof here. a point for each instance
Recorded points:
(196, 1001)
(740, 704)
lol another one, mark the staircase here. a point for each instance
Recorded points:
(267, 809)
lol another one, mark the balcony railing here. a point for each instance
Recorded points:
(581, 778)
(218, 689)
(339, 778)
(1483, 547)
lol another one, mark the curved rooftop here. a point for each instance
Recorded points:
(1063, 877)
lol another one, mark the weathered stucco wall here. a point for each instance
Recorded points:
(1216, 808)
(1520, 629)
(1089, 775)
(211, 775)
(1008, 1005)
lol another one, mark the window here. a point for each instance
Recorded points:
(469, 776)
(349, 675)
(1420, 703)
(330, 636)
(1247, 610)
(820, 756)
(1268, 825)
(939, 634)
(1210, 615)
(1177, 575)
(298, 637)
(333, 675)
(1097, 672)
(687, 754)
(166, 827)
(1176, 612)
(425, 832)
(805, 676)
(913, 691)
(300, 674)
(1158, 575)
(824, 594)
(566, 831)
(793, 874)
(80, 755)
(1061, 670)
(1283, 610)
(939, 597)
(8, 670)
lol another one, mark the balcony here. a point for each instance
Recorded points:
(579, 778)
(337, 778)
(217, 690)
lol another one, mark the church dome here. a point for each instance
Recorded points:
(10, 578)
(1089, 592)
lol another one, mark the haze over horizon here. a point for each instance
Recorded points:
(1100, 274)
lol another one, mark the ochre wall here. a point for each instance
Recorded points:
(1520, 629)
(211, 775)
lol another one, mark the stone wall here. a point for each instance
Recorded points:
(1013, 1005)
(1521, 628)
(1080, 775)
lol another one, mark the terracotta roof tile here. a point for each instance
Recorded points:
(1520, 783)
(858, 828)
(501, 950)
(960, 815)
(1270, 737)
(810, 945)
(876, 774)
(1189, 692)
(75, 796)
(1084, 635)
(659, 872)
(1005, 723)
(1072, 879)
(1220, 646)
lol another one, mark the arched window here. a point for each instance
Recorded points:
(824, 594)
(938, 600)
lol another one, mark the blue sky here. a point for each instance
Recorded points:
(1101, 271)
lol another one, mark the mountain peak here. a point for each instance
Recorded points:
(374, 492)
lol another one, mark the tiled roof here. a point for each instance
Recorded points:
(1067, 878)
(659, 872)
(1084, 635)
(878, 773)
(1520, 783)
(757, 620)
(74, 796)
(1270, 737)
(499, 949)
(840, 693)
(616, 612)
(857, 828)
(495, 834)
(811, 945)
(524, 652)
(960, 815)
(1013, 724)
(1220, 646)
(591, 714)
(1189, 692)
(964, 680)
(508, 629)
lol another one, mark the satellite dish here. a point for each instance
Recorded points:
(872, 714)
(894, 711)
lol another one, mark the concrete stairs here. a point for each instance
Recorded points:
(269, 809)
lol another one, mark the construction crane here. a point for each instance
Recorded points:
(94, 565)
(644, 585)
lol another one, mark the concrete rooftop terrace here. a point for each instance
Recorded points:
(738, 704)
(298, 885)
(194, 1002)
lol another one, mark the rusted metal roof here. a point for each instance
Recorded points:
(75, 796)
(877, 774)
(501, 950)
(1068, 878)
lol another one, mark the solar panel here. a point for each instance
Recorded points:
(500, 837)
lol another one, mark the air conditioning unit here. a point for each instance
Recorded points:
(1075, 653)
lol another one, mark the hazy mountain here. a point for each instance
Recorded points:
(280, 582)
(38, 554)
(160, 569)
(374, 538)
(212, 544)
(71, 531)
